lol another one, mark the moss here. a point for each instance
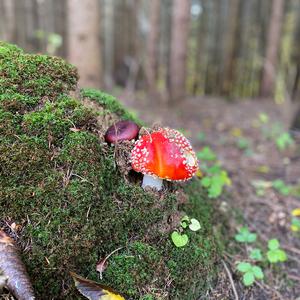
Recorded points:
(60, 182)
(109, 103)
(37, 76)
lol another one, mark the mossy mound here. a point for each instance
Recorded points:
(59, 181)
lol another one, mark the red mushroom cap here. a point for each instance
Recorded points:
(165, 153)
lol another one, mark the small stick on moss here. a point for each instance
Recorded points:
(231, 280)
(12, 267)
(101, 265)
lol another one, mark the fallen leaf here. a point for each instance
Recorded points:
(296, 212)
(93, 290)
(195, 225)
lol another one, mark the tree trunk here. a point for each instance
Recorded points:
(8, 20)
(271, 57)
(152, 47)
(179, 45)
(84, 49)
(231, 47)
(109, 43)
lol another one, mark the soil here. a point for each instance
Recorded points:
(269, 215)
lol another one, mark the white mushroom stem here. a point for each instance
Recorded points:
(153, 182)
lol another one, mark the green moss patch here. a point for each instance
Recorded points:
(61, 183)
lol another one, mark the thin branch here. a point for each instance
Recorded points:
(231, 280)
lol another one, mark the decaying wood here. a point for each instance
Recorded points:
(12, 267)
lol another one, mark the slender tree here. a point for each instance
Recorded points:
(231, 47)
(8, 20)
(84, 48)
(273, 42)
(108, 43)
(152, 45)
(179, 45)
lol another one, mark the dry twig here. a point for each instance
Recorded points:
(231, 280)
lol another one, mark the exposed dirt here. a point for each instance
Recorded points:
(269, 215)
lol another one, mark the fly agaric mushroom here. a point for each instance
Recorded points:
(163, 154)
(121, 131)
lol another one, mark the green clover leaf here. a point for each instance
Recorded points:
(275, 254)
(255, 254)
(245, 236)
(244, 267)
(250, 272)
(195, 225)
(185, 222)
(206, 154)
(179, 240)
(273, 244)
(258, 273)
(248, 278)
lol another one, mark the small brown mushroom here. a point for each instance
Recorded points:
(121, 131)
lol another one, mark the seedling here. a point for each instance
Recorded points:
(275, 253)
(245, 236)
(216, 177)
(215, 181)
(181, 239)
(263, 118)
(206, 154)
(255, 254)
(195, 225)
(283, 141)
(250, 272)
(242, 143)
(281, 187)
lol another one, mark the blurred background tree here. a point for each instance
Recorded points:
(170, 48)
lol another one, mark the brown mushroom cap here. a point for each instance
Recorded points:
(121, 131)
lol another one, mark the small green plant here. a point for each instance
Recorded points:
(215, 177)
(275, 253)
(215, 183)
(255, 254)
(245, 236)
(250, 272)
(263, 118)
(283, 141)
(206, 154)
(242, 143)
(181, 239)
(281, 187)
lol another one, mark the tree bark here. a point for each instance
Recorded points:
(273, 39)
(8, 20)
(84, 49)
(231, 47)
(179, 46)
(109, 43)
(152, 46)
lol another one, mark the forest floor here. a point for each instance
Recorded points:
(243, 134)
